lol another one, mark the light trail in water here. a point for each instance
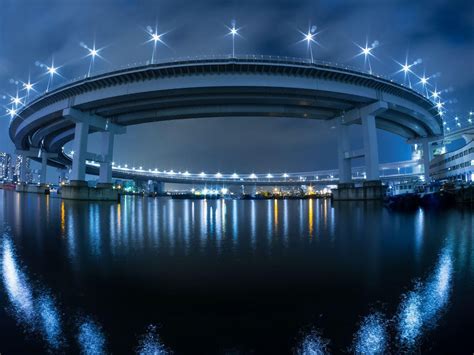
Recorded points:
(37, 311)
(417, 313)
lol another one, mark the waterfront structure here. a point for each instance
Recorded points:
(455, 165)
(222, 87)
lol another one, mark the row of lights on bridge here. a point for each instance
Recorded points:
(203, 175)
(309, 37)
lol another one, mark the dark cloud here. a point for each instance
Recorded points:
(440, 32)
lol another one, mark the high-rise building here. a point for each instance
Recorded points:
(5, 165)
(29, 172)
(17, 169)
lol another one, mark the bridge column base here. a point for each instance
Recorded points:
(33, 188)
(79, 190)
(369, 191)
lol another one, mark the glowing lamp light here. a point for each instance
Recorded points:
(28, 86)
(366, 51)
(424, 80)
(93, 52)
(233, 31)
(309, 37)
(253, 176)
(52, 70)
(285, 175)
(186, 173)
(155, 37)
(202, 174)
(12, 112)
(224, 191)
(16, 100)
(235, 176)
(269, 176)
(218, 175)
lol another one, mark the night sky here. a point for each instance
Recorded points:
(441, 33)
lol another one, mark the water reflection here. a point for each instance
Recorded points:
(16, 284)
(422, 306)
(176, 252)
(313, 344)
(418, 312)
(35, 314)
(91, 338)
(150, 343)
(50, 321)
(310, 217)
(371, 338)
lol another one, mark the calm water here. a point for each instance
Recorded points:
(266, 277)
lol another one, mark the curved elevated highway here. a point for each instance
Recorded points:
(220, 87)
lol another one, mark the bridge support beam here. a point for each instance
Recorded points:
(371, 152)
(105, 175)
(81, 133)
(343, 148)
(44, 168)
(427, 156)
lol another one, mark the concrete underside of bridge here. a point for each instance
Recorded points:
(219, 88)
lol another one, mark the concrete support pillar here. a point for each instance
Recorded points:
(252, 190)
(105, 176)
(371, 152)
(427, 156)
(157, 187)
(44, 168)
(80, 151)
(343, 146)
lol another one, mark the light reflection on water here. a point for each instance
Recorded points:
(50, 320)
(371, 337)
(33, 313)
(150, 343)
(212, 229)
(421, 307)
(90, 338)
(418, 312)
(37, 311)
(16, 284)
(313, 344)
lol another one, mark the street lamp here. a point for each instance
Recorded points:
(367, 53)
(233, 31)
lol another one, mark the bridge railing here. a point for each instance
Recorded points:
(388, 170)
(218, 58)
